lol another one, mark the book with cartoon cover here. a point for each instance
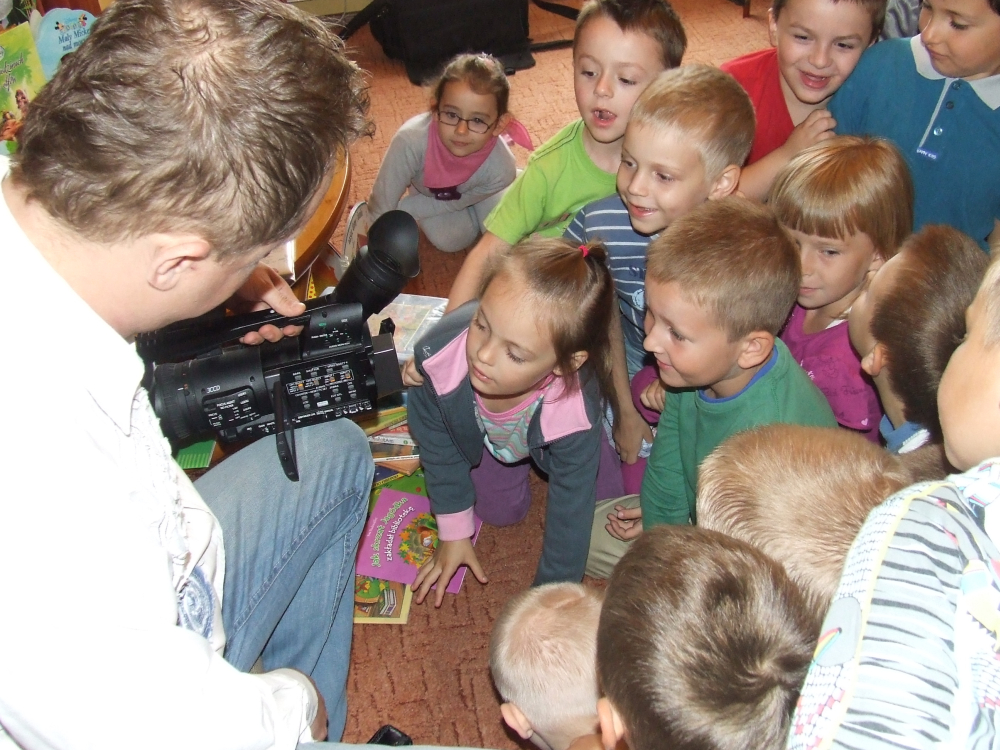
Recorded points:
(21, 77)
(381, 602)
(400, 536)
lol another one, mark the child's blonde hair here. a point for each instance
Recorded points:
(798, 494)
(483, 73)
(572, 290)
(846, 185)
(543, 653)
(655, 18)
(710, 109)
(990, 291)
(732, 257)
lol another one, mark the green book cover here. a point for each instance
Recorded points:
(21, 77)
(413, 484)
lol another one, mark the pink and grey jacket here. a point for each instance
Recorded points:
(564, 439)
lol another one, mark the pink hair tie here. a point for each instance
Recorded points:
(515, 132)
(584, 249)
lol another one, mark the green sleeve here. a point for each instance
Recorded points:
(663, 499)
(522, 208)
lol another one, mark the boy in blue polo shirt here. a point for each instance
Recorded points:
(937, 97)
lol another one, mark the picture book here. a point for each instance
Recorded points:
(385, 474)
(381, 602)
(414, 315)
(388, 452)
(57, 33)
(398, 435)
(401, 535)
(382, 419)
(21, 77)
(413, 484)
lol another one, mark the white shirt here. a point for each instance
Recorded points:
(104, 543)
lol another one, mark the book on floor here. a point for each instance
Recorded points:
(400, 536)
(381, 602)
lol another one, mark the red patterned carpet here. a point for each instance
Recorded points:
(430, 677)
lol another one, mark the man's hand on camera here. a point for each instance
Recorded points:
(264, 290)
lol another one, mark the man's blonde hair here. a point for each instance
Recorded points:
(543, 659)
(733, 258)
(846, 185)
(708, 107)
(798, 494)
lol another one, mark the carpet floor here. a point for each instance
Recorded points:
(431, 677)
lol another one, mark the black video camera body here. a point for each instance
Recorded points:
(334, 368)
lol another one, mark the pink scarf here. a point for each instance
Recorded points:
(443, 171)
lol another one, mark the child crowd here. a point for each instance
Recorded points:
(744, 320)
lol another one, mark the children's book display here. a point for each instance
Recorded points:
(30, 52)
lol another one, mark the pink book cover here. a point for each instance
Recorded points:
(400, 536)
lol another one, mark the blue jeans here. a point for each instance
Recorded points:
(290, 547)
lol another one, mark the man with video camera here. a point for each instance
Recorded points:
(178, 146)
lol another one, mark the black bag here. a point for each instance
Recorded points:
(425, 34)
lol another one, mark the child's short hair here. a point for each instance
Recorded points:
(543, 658)
(990, 291)
(732, 257)
(920, 320)
(656, 18)
(876, 8)
(708, 106)
(571, 284)
(215, 117)
(799, 495)
(845, 185)
(483, 73)
(704, 643)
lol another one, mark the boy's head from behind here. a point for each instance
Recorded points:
(688, 135)
(910, 319)
(798, 494)
(703, 643)
(969, 394)
(720, 282)
(542, 656)
(619, 47)
(819, 43)
(962, 37)
(219, 118)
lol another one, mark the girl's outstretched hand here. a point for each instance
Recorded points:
(448, 557)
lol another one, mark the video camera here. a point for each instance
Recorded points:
(334, 368)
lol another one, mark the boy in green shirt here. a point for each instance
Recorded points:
(720, 282)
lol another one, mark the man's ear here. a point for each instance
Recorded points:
(612, 727)
(726, 183)
(875, 360)
(171, 256)
(516, 720)
(756, 350)
(575, 363)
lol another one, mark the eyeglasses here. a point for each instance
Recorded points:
(475, 124)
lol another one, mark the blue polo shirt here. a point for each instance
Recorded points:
(948, 130)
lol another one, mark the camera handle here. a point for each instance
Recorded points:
(284, 432)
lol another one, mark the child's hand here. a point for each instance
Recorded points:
(654, 397)
(411, 376)
(625, 523)
(629, 431)
(448, 557)
(818, 126)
